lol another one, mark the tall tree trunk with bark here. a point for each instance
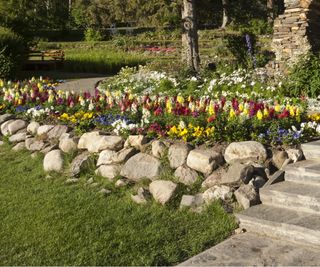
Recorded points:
(190, 46)
(225, 18)
(270, 11)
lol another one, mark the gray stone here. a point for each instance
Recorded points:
(19, 146)
(142, 166)
(105, 157)
(279, 158)
(48, 148)
(213, 179)
(204, 160)
(162, 191)
(32, 144)
(6, 117)
(244, 152)
(33, 127)
(158, 149)
(94, 142)
(16, 125)
(186, 175)
(247, 196)
(138, 199)
(44, 129)
(72, 181)
(104, 191)
(79, 163)
(136, 141)
(189, 201)
(123, 155)
(144, 193)
(217, 192)
(178, 154)
(68, 145)
(238, 173)
(295, 154)
(57, 131)
(5, 127)
(19, 137)
(109, 171)
(121, 183)
(53, 161)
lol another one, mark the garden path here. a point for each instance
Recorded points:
(284, 229)
(81, 85)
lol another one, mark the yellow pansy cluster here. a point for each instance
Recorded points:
(77, 117)
(190, 132)
(314, 117)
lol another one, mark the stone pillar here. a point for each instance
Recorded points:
(296, 32)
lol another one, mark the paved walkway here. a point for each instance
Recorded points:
(81, 85)
(284, 229)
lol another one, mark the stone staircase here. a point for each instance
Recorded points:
(290, 210)
(284, 229)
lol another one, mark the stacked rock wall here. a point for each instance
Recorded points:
(296, 32)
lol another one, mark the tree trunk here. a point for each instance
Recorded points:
(270, 10)
(190, 46)
(225, 18)
(70, 6)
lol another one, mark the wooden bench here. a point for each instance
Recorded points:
(48, 59)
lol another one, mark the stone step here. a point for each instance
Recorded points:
(311, 150)
(291, 195)
(305, 172)
(250, 249)
(291, 225)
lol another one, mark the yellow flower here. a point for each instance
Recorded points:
(211, 110)
(259, 115)
(169, 106)
(232, 114)
(241, 107)
(292, 112)
(277, 108)
(265, 113)
(180, 99)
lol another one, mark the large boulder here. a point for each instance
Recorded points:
(295, 154)
(123, 155)
(190, 201)
(186, 175)
(53, 161)
(6, 117)
(19, 137)
(136, 141)
(162, 191)
(94, 142)
(19, 146)
(57, 131)
(109, 171)
(279, 158)
(238, 173)
(44, 129)
(105, 157)
(32, 144)
(142, 166)
(5, 127)
(68, 144)
(204, 160)
(33, 127)
(178, 154)
(245, 151)
(213, 179)
(158, 149)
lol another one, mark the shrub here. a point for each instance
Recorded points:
(304, 77)
(93, 35)
(12, 53)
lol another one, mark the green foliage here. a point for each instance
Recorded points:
(12, 53)
(46, 222)
(304, 78)
(91, 34)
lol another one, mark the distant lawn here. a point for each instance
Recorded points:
(46, 222)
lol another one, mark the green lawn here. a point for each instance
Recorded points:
(46, 222)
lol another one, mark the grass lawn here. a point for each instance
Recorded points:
(46, 222)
